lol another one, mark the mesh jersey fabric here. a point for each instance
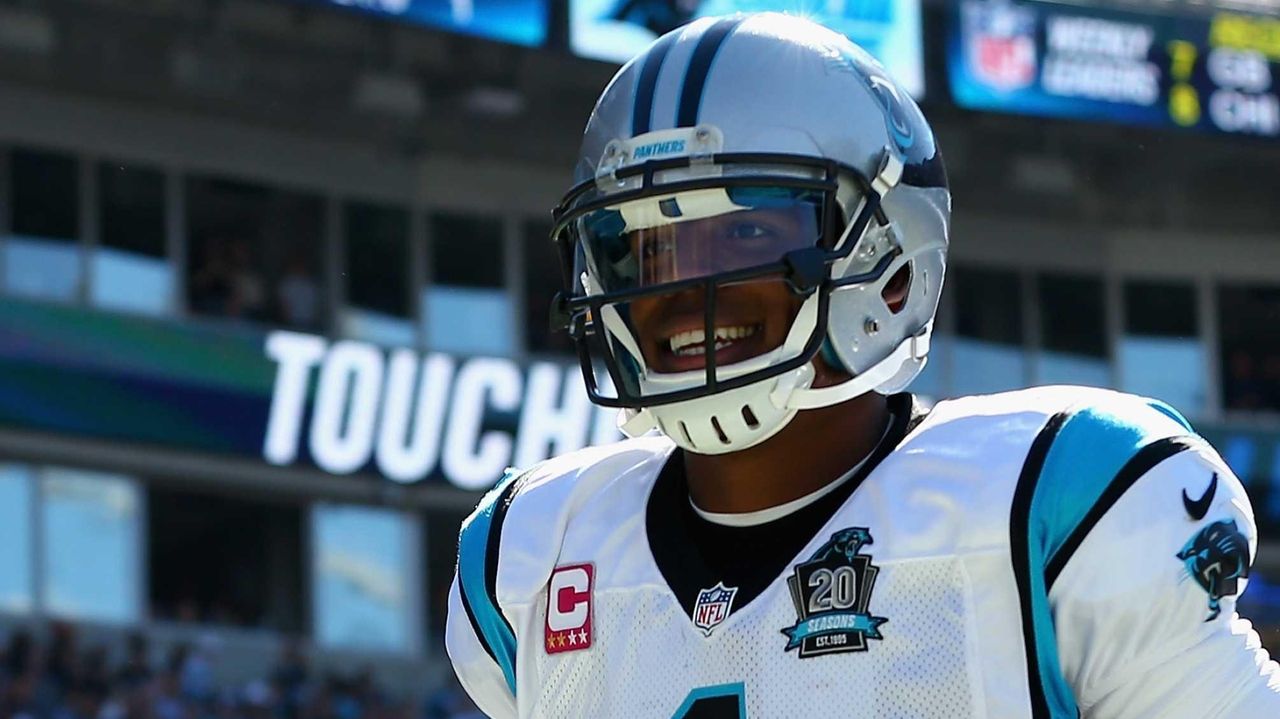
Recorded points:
(1001, 563)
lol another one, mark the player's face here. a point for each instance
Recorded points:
(751, 317)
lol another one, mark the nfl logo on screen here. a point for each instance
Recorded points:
(1000, 43)
(713, 607)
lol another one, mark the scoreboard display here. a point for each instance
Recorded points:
(617, 30)
(1215, 73)
(523, 22)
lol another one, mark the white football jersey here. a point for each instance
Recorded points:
(1049, 553)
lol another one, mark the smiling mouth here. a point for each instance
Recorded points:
(686, 349)
(692, 343)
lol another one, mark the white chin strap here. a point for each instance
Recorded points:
(912, 348)
(744, 417)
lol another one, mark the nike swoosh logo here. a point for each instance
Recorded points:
(1200, 507)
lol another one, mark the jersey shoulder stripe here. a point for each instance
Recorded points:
(1077, 467)
(1133, 470)
(478, 546)
(1094, 444)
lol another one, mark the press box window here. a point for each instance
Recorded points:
(17, 495)
(1160, 352)
(91, 537)
(1073, 328)
(255, 253)
(130, 271)
(42, 257)
(467, 307)
(1250, 349)
(987, 352)
(376, 244)
(221, 560)
(74, 535)
(364, 578)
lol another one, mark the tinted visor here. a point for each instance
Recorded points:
(696, 233)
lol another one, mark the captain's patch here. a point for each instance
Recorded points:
(568, 625)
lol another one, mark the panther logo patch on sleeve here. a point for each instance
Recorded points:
(1217, 558)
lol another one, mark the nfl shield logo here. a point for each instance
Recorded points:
(1000, 43)
(713, 607)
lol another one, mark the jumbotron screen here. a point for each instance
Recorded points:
(523, 22)
(1211, 72)
(617, 30)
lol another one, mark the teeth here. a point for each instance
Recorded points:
(690, 342)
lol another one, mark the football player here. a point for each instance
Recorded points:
(754, 253)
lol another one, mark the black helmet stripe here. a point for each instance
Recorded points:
(642, 111)
(695, 78)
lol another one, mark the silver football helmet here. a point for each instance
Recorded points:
(748, 187)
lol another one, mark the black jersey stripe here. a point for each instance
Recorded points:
(475, 624)
(501, 505)
(1019, 546)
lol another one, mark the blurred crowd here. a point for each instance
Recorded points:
(60, 679)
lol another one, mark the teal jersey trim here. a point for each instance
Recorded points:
(1092, 447)
(1076, 466)
(477, 573)
(690, 708)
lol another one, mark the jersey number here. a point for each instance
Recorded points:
(722, 701)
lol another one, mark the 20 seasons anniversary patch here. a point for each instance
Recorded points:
(832, 594)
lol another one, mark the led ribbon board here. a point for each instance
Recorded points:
(618, 30)
(1214, 73)
(285, 398)
(523, 22)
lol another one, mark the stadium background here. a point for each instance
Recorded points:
(274, 277)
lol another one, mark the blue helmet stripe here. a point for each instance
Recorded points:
(695, 78)
(477, 574)
(647, 85)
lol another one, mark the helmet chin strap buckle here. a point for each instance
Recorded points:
(636, 422)
(920, 342)
(559, 317)
(890, 173)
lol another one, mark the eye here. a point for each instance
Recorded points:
(748, 231)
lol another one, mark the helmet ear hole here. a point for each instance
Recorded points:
(897, 289)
